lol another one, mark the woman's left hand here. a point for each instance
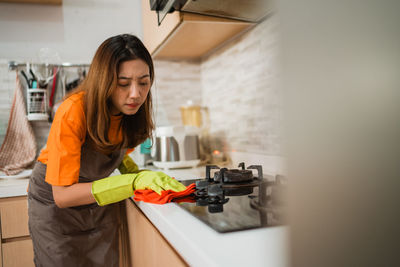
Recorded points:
(157, 181)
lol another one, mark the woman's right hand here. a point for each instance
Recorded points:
(119, 187)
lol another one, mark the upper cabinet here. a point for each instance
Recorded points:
(184, 34)
(45, 2)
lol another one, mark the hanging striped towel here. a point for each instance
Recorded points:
(18, 150)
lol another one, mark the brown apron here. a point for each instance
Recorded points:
(78, 236)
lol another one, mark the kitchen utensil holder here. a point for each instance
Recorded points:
(37, 104)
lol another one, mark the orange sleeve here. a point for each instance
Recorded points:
(64, 142)
(129, 150)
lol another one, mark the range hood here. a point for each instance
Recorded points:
(245, 10)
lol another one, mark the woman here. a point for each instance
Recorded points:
(73, 209)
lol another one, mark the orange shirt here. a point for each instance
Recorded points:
(62, 153)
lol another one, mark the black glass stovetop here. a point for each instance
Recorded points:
(229, 207)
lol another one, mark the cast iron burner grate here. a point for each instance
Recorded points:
(236, 199)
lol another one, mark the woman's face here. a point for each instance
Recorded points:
(132, 89)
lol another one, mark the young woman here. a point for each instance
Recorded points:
(73, 203)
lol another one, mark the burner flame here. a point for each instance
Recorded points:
(216, 152)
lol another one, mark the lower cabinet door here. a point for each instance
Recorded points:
(147, 246)
(18, 253)
(14, 217)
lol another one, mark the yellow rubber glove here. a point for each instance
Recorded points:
(128, 166)
(119, 187)
(113, 189)
(157, 181)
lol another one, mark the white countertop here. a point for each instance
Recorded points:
(13, 187)
(200, 245)
(197, 243)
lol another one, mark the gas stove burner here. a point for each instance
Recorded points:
(226, 182)
(243, 184)
(211, 195)
(233, 176)
(238, 199)
(234, 182)
(238, 191)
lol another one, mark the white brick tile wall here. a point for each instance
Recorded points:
(7, 84)
(239, 85)
(175, 83)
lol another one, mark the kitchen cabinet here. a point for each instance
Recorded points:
(16, 245)
(146, 245)
(46, 2)
(184, 35)
(16, 248)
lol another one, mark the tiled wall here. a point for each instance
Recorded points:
(175, 84)
(239, 85)
(7, 83)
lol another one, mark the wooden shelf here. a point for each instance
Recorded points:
(44, 2)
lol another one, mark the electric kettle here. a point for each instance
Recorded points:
(176, 147)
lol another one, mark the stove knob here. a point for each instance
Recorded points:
(215, 208)
(201, 202)
(201, 193)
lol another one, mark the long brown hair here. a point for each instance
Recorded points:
(101, 81)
